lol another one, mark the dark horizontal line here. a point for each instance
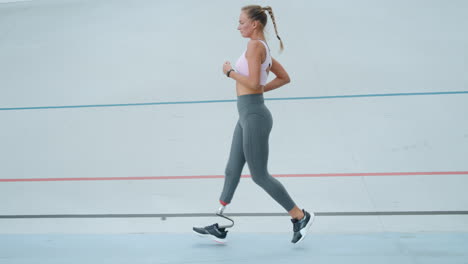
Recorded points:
(231, 100)
(231, 214)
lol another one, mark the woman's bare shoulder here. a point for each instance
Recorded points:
(254, 45)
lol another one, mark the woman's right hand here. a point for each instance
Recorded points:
(226, 67)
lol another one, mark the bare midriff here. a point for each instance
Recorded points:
(242, 90)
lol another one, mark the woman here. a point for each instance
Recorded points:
(250, 140)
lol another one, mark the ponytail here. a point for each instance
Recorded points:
(270, 11)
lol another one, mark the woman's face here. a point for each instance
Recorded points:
(246, 25)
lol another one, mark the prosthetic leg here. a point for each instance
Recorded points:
(215, 232)
(220, 214)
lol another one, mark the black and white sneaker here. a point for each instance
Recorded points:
(301, 227)
(213, 232)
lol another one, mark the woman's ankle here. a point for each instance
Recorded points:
(296, 213)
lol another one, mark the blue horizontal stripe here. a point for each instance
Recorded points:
(226, 101)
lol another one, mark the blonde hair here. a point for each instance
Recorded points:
(257, 13)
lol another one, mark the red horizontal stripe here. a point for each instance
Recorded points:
(243, 176)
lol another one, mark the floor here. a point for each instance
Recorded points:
(399, 248)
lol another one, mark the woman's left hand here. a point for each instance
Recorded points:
(226, 67)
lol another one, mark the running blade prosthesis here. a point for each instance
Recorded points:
(215, 232)
(220, 214)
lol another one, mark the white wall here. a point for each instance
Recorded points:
(77, 53)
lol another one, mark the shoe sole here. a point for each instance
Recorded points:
(305, 230)
(211, 237)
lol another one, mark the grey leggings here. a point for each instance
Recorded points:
(250, 143)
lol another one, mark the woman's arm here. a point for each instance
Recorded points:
(281, 79)
(254, 58)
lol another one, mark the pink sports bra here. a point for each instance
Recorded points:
(242, 65)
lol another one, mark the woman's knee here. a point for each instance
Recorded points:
(262, 179)
(230, 172)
